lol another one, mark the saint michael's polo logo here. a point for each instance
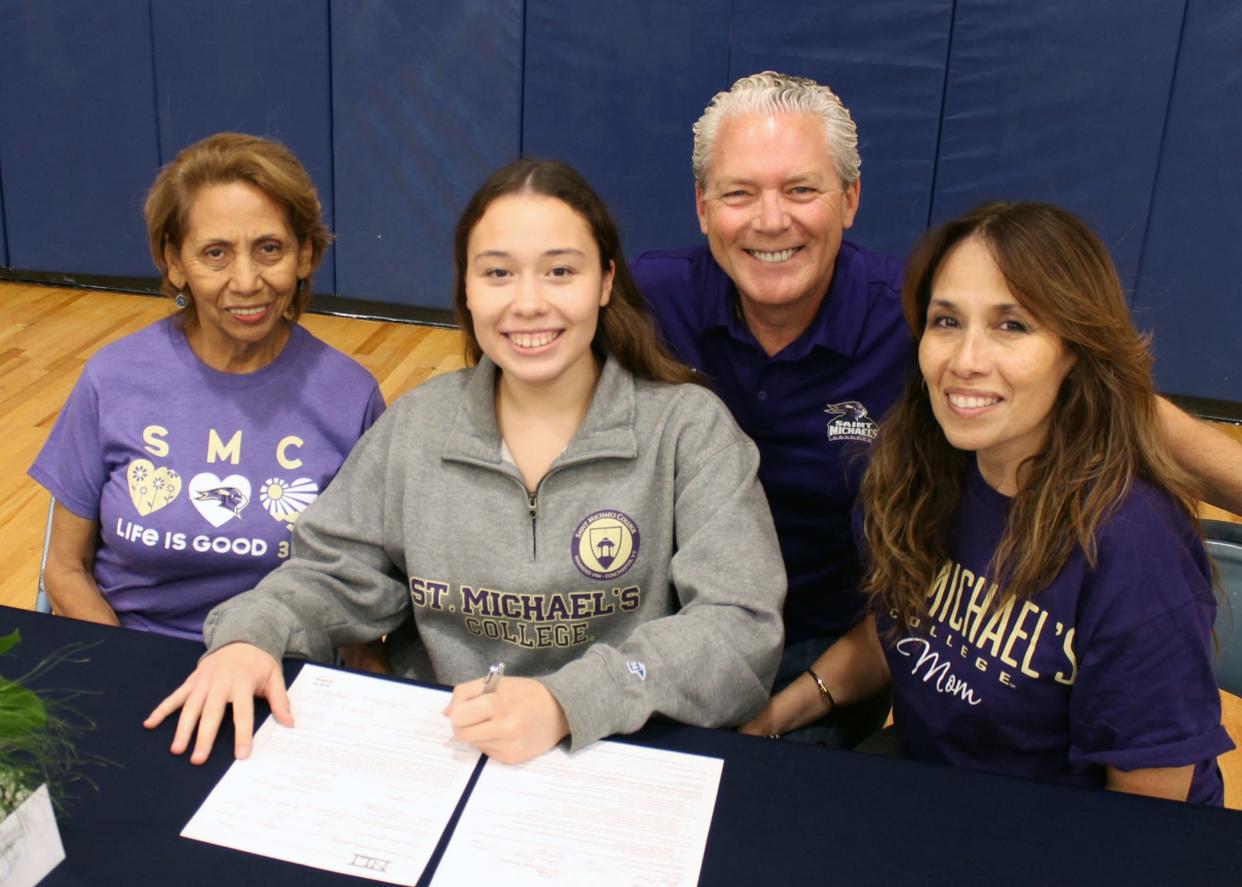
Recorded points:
(850, 422)
(605, 544)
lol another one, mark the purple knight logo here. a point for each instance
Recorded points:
(605, 544)
(850, 422)
(219, 499)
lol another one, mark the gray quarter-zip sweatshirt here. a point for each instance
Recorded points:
(642, 576)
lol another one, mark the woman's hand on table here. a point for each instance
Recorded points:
(796, 705)
(233, 675)
(517, 722)
(762, 724)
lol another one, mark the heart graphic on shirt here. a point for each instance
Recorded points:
(151, 488)
(285, 500)
(219, 500)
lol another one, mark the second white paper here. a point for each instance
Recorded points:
(610, 814)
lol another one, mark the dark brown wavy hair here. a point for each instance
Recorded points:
(219, 160)
(625, 329)
(1104, 430)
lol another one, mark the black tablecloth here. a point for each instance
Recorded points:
(786, 814)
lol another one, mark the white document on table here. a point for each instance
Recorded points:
(363, 784)
(608, 814)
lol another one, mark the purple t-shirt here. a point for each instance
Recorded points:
(1106, 666)
(812, 408)
(196, 476)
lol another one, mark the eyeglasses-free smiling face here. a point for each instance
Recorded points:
(535, 288)
(773, 208)
(241, 262)
(993, 371)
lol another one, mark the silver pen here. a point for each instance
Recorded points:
(494, 673)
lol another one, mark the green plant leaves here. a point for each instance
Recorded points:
(9, 641)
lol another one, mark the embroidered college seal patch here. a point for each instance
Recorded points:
(851, 422)
(605, 544)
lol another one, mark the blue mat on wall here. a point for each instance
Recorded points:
(886, 62)
(255, 66)
(1060, 101)
(613, 89)
(78, 145)
(1125, 112)
(4, 241)
(1188, 289)
(426, 102)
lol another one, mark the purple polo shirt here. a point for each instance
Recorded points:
(1109, 665)
(812, 408)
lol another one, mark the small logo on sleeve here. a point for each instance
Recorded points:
(850, 422)
(605, 544)
(637, 668)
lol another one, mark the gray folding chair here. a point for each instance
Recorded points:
(42, 604)
(1224, 545)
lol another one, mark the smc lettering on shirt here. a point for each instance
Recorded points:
(219, 499)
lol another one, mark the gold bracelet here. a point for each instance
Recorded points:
(823, 689)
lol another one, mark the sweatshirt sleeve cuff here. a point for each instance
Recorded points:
(594, 705)
(232, 623)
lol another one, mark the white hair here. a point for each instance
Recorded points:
(771, 93)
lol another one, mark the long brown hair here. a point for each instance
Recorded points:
(625, 329)
(1104, 430)
(221, 159)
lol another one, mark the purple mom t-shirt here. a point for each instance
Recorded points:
(197, 476)
(1109, 666)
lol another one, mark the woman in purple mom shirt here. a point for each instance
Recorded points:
(1040, 599)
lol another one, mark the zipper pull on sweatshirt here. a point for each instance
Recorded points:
(533, 505)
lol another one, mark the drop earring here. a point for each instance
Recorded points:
(181, 301)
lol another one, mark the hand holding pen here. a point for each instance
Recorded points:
(509, 720)
(492, 679)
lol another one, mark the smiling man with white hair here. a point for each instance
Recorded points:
(798, 330)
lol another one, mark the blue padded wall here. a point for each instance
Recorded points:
(4, 241)
(886, 61)
(426, 102)
(256, 66)
(1188, 285)
(78, 145)
(1125, 111)
(613, 89)
(1061, 101)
